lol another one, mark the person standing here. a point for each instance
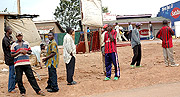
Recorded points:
(20, 51)
(111, 54)
(118, 34)
(151, 30)
(9, 61)
(122, 33)
(69, 53)
(136, 46)
(130, 28)
(103, 47)
(52, 61)
(165, 34)
(36, 53)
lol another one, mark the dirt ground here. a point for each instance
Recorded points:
(88, 73)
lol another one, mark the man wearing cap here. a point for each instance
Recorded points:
(136, 46)
(6, 44)
(111, 53)
(20, 51)
(103, 47)
(165, 34)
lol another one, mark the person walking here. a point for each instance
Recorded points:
(165, 34)
(69, 53)
(136, 46)
(52, 61)
(9, 60)
(151, 31)
(20, 51)
(111, 54)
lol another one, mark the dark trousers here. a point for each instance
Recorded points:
(137, 55)
(30, 76)
(109, 59)
(129, 36)
(52, 80)
(70, 69)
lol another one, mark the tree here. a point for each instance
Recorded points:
(68, 13)
(105, 9)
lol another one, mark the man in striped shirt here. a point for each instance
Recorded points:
(111, 53)
(19, 51)
(165, 34)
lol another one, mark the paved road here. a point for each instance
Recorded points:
(160, 90)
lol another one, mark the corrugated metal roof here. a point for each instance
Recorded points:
(141, 20)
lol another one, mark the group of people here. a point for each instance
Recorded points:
(109, 51)
(16, 55)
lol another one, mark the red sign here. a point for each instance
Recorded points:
(175, 12)
(144, 32)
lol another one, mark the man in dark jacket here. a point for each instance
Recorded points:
(6, 44)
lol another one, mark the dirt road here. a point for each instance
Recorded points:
(88, 73)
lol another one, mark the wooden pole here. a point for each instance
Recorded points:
(85, 37)
(18, 7)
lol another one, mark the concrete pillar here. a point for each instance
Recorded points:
(1, 36)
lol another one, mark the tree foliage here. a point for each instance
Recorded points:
(105, 9)
(68, 13)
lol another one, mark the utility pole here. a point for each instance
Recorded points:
(18, 7)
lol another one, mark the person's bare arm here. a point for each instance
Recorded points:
(50, 56)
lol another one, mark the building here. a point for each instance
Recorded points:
(172, 12)
(45, 26)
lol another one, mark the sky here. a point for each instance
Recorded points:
(46, 8)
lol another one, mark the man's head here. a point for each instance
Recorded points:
(19, 36)
(165, 22)
(116, 23)
(50, 36)
(109, 28)
(8, 30)
(69, 30)
(129, 23)
(87, 27)
(105, 27)
(42, 46)
(138, 25)
(149, 22)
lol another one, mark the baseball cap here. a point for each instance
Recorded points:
(138, 24)
(19, 33)
(105, 26)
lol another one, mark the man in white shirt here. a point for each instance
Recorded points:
(69, 53)
(36, 53)
(118, 34)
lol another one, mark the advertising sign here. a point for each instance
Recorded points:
(172, 12)
(109, 17)
(144, 34)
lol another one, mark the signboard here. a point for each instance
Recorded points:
(144, 34)
(91, 11)
(172, 12)
(109, 17)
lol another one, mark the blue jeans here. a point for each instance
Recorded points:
(151, 36)
(52, 80)
(12, 76)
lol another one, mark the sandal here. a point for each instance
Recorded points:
(41, 93)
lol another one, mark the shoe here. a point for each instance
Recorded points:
(52, 90)
(41, 93)
(175, 65)
(138, 66)
(23, 95)
(107, 78)
(72, 83)
(105, 73)
(116, 78)
(48, 87)
(132, 66)
(13, 91)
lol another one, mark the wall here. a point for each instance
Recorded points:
(172, 12)
(1, 36)
(55, 30)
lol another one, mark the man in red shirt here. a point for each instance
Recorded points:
(165, 34)
(111, 53)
